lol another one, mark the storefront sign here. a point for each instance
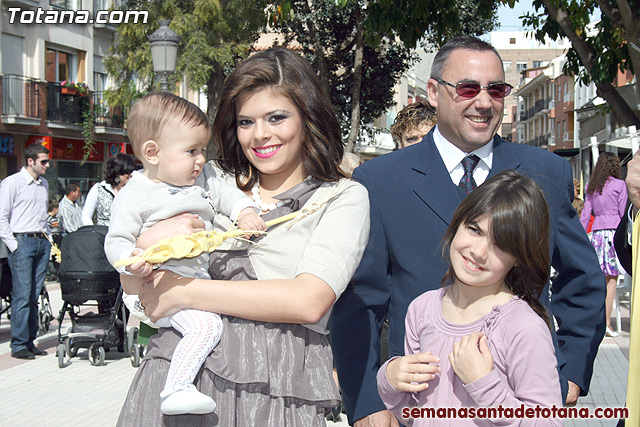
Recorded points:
(72, 149)
(116, 147)
(42, 140)
(6, 144)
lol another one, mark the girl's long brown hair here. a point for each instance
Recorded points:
(519, 218)
(608, 164)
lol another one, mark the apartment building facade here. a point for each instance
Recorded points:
(519, 52)
(40, 105)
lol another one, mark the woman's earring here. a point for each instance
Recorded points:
(117, 180)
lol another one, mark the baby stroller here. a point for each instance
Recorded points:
(45, 314)
(86, 275)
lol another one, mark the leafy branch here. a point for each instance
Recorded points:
(88, 127)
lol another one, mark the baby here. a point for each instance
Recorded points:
(169, 135)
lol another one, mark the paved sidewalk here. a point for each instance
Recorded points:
(37, 392)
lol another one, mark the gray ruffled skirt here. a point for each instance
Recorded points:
(260, 374)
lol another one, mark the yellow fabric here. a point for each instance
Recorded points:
(55, 250)
(192, 245)
(633, 381)
(183, 246)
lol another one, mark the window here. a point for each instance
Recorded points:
(66, 4)
(537, 64)
(99, 74)
(506, 65)
(521, 65)
(99, 82)
(12, 48)
(512, 40)
(60, 65)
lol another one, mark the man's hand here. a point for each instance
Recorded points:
(411, 373)
(572, 394)
(378, 419)
(633, 181)
(471, 358)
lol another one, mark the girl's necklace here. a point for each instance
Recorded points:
(264, 207)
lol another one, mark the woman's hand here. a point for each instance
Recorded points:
(184, 223)
(411, 373)
(471, 358)
(164, 294)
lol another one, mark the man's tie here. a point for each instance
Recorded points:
(467, 183)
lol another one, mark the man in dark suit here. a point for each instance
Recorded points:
(413, 194)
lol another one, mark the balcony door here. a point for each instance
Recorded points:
(60, 65)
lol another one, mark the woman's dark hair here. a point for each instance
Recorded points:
(290, 75)
(519, 218)
(120, 164)
(608, 164)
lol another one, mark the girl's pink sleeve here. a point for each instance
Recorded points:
(395, 400)
(532, 373)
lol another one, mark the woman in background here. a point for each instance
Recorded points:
(101, 195)
(606, 198)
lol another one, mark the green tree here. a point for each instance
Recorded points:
(430, 22)
(362, 48)
(597, 53)
(215, 34)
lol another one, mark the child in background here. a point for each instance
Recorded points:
(412, 123)
(52, 217)
(169, 135)
(56, 237)
(483, 340)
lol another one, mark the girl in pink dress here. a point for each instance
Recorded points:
(483, 340)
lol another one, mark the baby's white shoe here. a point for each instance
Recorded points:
(185, 399)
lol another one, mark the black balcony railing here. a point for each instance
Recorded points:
(20, 96)
(106, 115)
(539, 105)
(541, 140)
(65, 108)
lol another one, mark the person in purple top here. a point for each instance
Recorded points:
(484, 340)
(606, 199)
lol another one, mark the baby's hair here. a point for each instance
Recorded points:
(519, 218)
(53, 203)
(153, 112)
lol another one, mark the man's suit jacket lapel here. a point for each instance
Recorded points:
(504, 157)
(434, 187)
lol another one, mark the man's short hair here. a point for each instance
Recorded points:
(71, 187)
(32, 151)
(456, 43)
(154, 111)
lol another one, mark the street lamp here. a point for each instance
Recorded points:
(164, 52)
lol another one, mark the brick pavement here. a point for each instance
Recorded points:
(38, 392)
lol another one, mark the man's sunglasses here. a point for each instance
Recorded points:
(470, 90)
